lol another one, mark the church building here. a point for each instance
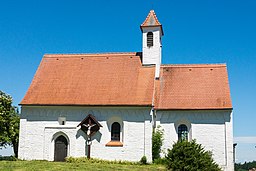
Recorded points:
(107, 105)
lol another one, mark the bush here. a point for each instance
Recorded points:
(8, 158)
(190, 156)
(157, 142)
(143, 160)
(161, 161)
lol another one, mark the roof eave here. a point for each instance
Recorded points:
(161, 27)
(173, 109)
(91, 105)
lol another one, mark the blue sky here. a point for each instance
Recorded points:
(202, 31)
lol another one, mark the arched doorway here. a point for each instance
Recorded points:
(60, 148)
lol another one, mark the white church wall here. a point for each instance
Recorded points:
(40, 127)
(153, 54)
(229, 139)
(212, 129)
(22, 136)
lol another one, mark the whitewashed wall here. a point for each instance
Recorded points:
(213, 129)
(153, 54)
(40, 127)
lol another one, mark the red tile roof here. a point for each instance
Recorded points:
(193, 87)
(151, 21)
(120, 79)
(91, 79)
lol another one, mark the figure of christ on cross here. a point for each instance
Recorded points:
(88, 126)
(89, 132)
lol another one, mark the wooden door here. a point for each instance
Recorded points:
(60, 148)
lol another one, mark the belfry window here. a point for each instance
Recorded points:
(115, 131)
(149, 39)
(182, 132)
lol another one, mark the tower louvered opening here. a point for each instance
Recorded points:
(149, 39)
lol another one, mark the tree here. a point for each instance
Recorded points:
(245, 166)
(157, 142)
(190, 156)
(9, 123)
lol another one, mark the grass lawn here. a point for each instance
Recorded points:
(46, 165)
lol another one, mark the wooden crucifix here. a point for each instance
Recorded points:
(90, 126)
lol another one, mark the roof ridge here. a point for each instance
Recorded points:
(91, 54)
(195, 65)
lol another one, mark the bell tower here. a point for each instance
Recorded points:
(152, 33)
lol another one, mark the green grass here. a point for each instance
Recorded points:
(59, 166)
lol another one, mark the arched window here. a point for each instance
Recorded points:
(115, 131)
(182, 132)
(149, 39)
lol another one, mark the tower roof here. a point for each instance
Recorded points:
(151, 21)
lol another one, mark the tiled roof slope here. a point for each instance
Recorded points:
(120, 79)
(91, 79)
(193, 87)
(151, 20)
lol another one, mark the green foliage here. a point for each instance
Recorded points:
(9, 123)
(245, 166)
(240, 169)
(161, 161)
(8, 158)
(143, 160)
(94, 160)
(190, 156)
(157, 142)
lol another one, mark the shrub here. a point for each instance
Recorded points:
(143, 160)
(8, 158)
(190, 156)
(161, 161)
(157, 142)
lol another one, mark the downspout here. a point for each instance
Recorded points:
(225, 133)
(44, 147)
(153, 115)
(144, 153)
(153, 111)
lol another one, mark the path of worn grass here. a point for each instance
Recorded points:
(64, 166)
